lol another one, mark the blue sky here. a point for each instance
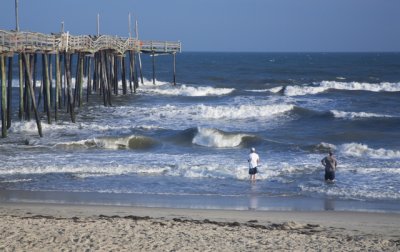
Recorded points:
(225, 25)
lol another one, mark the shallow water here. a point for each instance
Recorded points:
(192, 140)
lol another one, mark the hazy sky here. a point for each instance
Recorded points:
(224, 25)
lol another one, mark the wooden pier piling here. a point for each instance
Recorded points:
(89, 78)
(154, 67)
(102, 61)
(30, 85)
(174, 55)
(3, 97)
(9, 91)
(58, 86)
(46, 88)
(123, 76)
(21, 114)
(140, 68)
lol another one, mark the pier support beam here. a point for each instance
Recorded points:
(174, 68)
(46, 88)
(96, 72)
(81, 73)
(140, 68)
(70, 97)
(154, 68)
(27, 92)
(89, 78)
(21, 113)
(9, 90)
(114, 72)
(3, 97)
(29, 78)
(105, 81)
(123, 76)
(57, 92)
(129, 53)
(51, 80)
(133, 72)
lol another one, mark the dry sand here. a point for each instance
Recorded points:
(53, 227)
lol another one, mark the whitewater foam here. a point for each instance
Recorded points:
(326, 146)
(353, 86)
(243, 111)
(166, 88)
(392, 171)
(276, 89)
(353, 193)
(353, 115)
(359, 150)
(258, 90)
(184, 90)
(112, 143)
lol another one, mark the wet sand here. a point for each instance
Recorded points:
(64, 227)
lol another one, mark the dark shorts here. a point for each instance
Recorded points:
(330, 175)
(253, 171)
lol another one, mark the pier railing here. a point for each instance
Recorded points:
(17, 42)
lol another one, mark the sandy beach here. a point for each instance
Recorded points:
(60, 227)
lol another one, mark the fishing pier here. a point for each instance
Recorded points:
(101, 61)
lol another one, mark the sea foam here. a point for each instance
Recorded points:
(243, 111)
(184, 90)
(359, 150)
(355, 192)
(352, 115)
(353, 86)
(166, 88)
(113, 143)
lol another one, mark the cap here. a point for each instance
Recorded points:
(253, 149)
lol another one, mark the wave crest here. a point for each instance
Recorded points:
(217, 138)
(352, 115)
(359, 150)
(114, 143)
(243, 111)
(164, 88)
(326, 85)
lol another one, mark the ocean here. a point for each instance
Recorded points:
(187, 145)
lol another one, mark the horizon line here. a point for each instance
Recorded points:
(211, 51)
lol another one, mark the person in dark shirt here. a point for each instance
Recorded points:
(330, 163)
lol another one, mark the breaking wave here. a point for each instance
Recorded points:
(359, 150)
(217, 138)
(327, 85)
(114, 143)
(352, 115)
(165, 88)
(243, 111)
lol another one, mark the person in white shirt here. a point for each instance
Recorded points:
(254, 161)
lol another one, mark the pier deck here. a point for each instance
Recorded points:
(19, 42)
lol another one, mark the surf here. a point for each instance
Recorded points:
(210, 137)
(357, 115)
(323, 86)
(132, 142)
